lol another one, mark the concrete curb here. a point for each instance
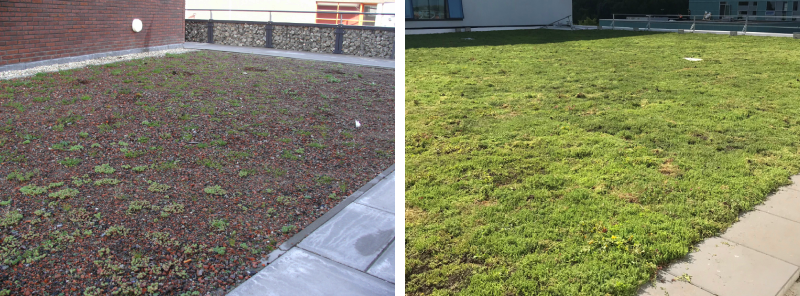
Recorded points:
(81, 58)
(300, 55)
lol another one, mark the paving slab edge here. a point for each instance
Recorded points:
(786, 286)
(792, 279)
(295, 239)
(202, 46)
(796, 275)
(791, 282)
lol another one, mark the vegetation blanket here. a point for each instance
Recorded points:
(543, 162)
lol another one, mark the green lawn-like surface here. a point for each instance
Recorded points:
(543, 162)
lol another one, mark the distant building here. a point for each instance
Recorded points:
(484, 13)
(327, 12)
(735, 9)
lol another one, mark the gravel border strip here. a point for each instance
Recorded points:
(55, 65)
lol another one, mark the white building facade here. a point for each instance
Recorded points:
(484, 13)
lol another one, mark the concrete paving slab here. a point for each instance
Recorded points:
(769, 234)
(795, 183)
(324, 57)
(667, 284)
(784, 203)
(381, 196)
(726, 268)
(299, 272)
(384, 266)
(347, 239)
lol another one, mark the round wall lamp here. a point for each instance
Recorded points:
(137, 25)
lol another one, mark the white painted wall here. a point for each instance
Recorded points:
(481, 13)
(386, 20)
(387, 6)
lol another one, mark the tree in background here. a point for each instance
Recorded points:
(589, 11)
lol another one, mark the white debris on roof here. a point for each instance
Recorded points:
(693, 59)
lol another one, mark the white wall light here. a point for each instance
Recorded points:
(137, 25)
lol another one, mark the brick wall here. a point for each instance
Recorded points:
(34, 30)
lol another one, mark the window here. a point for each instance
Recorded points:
(795, 6)
(369, 20)
(434, 9)
(331, 13)
(770, 5)
(429, 10)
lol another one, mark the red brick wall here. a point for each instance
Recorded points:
(34, 30)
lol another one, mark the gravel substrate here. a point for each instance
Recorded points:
(177, 175)
(100, 61)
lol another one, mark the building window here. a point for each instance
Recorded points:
(369, 20)
(770, 5)
(434, 9)
(331, 13)
(429, 10)
(795, 6)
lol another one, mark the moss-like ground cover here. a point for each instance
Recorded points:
(579, 163)
(178, 175)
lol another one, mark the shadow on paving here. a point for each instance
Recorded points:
(496, 38)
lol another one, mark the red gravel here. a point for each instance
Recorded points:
(289, 125)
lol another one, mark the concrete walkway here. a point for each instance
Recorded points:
(347, 251)
(325, 57)
(759, 255)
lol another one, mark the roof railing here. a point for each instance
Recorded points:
(339, 21)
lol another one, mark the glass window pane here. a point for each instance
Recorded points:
(369, 20)
(429, 9)
(455, 9)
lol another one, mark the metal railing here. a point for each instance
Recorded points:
(569, 22)
(339, 19)
(734, 23)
